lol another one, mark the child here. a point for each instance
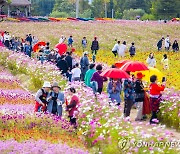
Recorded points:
(84, 43)
(41, 97)
(70, 41)
(164, 61)
(132, 50)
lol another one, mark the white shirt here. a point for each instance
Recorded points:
(122, 49)
(7, 37)
(116, 47)
(151, 62)
(167, 42)
(61, 40)
(76, 72)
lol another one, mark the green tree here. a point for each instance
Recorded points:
(165, 9)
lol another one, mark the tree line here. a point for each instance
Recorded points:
(120, 9)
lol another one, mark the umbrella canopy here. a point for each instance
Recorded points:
(115, 73)
(134, 66)
(62, 48)
(36, 46)
(121, 63)
(150, 72)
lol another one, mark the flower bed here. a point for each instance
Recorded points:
(101, 127)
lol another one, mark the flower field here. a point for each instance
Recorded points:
(101, 128)
(145, 35)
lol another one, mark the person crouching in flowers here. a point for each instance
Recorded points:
(114, 91)
(155, 97)
(55, 100)
(73, 106)
(41, 96)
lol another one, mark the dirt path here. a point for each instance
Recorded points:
(145, 125)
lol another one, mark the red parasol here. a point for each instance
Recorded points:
(62, 48)
(121, 63)
(134, 66)
(115, 73)
(36, 46)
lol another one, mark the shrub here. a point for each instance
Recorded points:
(132, 13)
(58, 14)
(148, 17)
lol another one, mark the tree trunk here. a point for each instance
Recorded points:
(105, 7)
(77, 8)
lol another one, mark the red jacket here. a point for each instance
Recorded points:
(73, 105)
(155, 89)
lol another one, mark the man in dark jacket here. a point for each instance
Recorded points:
(69, 60)
(159, 44)
(62, 65)
(132, 50)
(84, 62)
(94, 48)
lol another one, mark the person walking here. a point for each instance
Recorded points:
(167, 43)
(159, 44)
(165, 62)
(116, 48)
(76, 73)
(6, 39)
(151, 61)
(155, 97)
(55, 100)
(72, 107)
(62, 39)
(122, 49)
(70, 41)
(94, 48)
(139, 96)
(175, 46)
(114, 91)
(84, 43)
(28, 49)
(41, 97)
(69, 60)
(128, 97)
(84, 62)
(89, 75)
(98, 78)
(63, 65)
(132, 50)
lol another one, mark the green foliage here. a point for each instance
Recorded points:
(165, 9)
(59, 14)
(148, 17)
(132, 13)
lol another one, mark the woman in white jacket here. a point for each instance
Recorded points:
(167, 43)
(151, 61)
(122, 49)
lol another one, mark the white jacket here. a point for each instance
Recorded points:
(167, 42)
(151, 62)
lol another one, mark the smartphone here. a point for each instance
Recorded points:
(164, 79)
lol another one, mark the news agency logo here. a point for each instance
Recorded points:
(125, 143)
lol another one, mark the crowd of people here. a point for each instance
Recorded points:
(50, 98)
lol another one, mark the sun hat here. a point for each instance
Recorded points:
(86, 53)
(55, 84)
(47, 84)
(140, 75)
